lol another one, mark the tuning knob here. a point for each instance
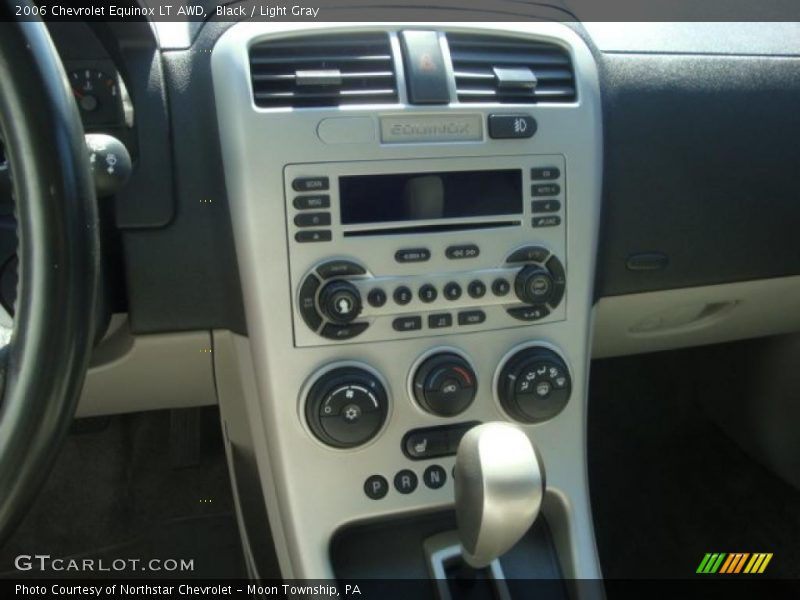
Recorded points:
(534, 385)
(534, 285)
(445, 384)
(340, 301)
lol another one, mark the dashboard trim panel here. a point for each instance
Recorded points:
(315, 503)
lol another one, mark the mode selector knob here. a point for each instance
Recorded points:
(534, 285)
(445, 384)
(340, 301)
(534, 385)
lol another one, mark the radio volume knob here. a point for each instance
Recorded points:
(534, 285)
(340, 301)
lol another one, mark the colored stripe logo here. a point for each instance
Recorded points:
(734, 563)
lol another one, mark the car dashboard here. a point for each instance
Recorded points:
(362, 238)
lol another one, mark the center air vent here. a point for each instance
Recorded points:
(323, 71)
(510, 70)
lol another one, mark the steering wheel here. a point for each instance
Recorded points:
(43, 366)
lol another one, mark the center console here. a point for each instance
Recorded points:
(416, 213)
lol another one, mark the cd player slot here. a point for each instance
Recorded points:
(438, 228)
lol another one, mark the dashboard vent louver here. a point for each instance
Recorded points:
(318, 71)
(510, 70)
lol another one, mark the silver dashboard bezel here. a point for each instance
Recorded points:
(252, 140)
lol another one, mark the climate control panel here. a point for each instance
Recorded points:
(347, 405)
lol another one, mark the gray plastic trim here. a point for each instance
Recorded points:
(148, 372)
(655, 321)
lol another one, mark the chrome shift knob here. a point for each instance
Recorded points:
(499, 486)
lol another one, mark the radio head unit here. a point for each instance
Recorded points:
(408, 248)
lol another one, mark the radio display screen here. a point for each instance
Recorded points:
(421, 196)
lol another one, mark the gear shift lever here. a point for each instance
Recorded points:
(499, 486)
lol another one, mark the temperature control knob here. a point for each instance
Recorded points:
(534, 285)
(340, 301)
(534, 385)
(445, 384)
(346, 407)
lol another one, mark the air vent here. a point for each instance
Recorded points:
(510, 70)
(323, 71)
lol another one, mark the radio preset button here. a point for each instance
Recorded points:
(343, 332)
(463, 251)
(428, 293)
(407, 323)
(529, 313)
(320, 235)
(452, 291)
(408, 255)
(315, 219)
(500, 287)
(545, 173)
(440, 320)
(310, 202)
(402, 295)
(376, 297)
(310, 184)
(550, 221)
(340, 268)
(545, 206)
(545, 189)
(529, 254)
(471, 317)
(503, 127)
(476, 289)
